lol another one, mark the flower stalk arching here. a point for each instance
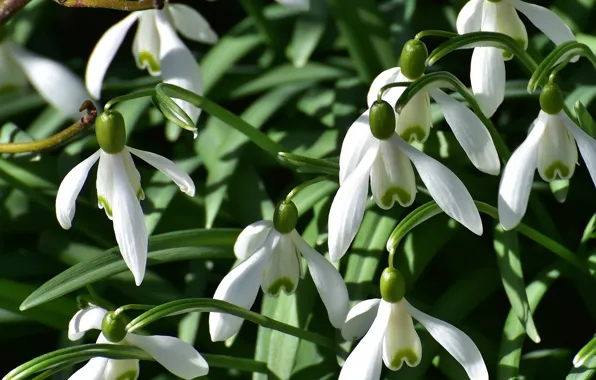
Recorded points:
(79, 126)
(303, 186)
(435, 33)
(122, 5)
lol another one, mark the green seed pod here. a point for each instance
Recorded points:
(111, 132)
(285, 217)
(393, 285)
(413, 59)
(551, 99)
(382, 120)
(113, 327)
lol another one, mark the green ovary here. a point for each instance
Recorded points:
(129, 375)
(105, 204)
(407, 355)
(404, 197)
(509, 55)
(147, 60)
(283, 282)
(413, 133)
(557, 167)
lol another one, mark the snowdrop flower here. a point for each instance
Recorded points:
(372, 149)
(178, 357)
(157, 48)
(269, 251)
(118, 189)
(487, 73)
(390, 337)
(551, 148)
(414, 121)
(54, 82)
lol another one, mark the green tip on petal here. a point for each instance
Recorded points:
(508, 55)
(129, 375)
(110, 131)
(414, 133)
(393, 285)
(147, 60)
(105, 205)
(557, 168)
(282, 283)
(551, 99)
(413, 59)
(407, 355)
(403, 196)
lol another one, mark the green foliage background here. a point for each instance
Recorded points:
(302, 78)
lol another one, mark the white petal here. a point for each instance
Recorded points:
(282, 271)
(178, 66)
(55, 83)
(134, 177)
(167, 167)
(105, 184)
(11, 75)
(355, 145)
(85, 320)
(509, 23)
(455, 341)
(469, 18)
(240, 287)
(252, 238)
(69, 189)
(546, 20)
(129, 222)
(415, 121)
(177, 356)
(104, 52)
(487, 75)
(347, 208)
(93, 370)
(365, 361)
(329, 283)
(360, 318)
(392, 177)
(191, 24)
(586, 145)
(557, 154)
(469, 131)
(516, 181)
(444, 186)
(388, 76)
(126, 369)
(298, 4)
(145, 47)
(401, 342)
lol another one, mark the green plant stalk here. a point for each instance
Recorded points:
(304, 185)
(212, 305)
(36, 146)
(131, 96)
(435, 33)
(123, 5)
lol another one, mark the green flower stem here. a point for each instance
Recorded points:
(131, 96)
(36, 146)
(133, 307)
(9, 7)
(259, 138)
(122, 5)
(212, 305)
(435, 33)
(304, 185)
(388, 86)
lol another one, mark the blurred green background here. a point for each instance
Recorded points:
(302, 78)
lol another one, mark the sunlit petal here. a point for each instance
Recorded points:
(557, 153)
(360, 318)
(127, 369)
(469, 18)
(401, 343)
(282, 272)
(93, 370)
(487, 75)
(252, 238)
(357, 142)
(85, 320)
(585, 143)
(145, 47)
(509, 23)
(191, 24)
(392, 177)
(546, 20)
(386, 77)
(133, 174)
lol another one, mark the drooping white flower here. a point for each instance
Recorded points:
(178, 357)
(388, 164)
(157, 48)
(390, 337)
(271, 260)
(487, 73)
(549, 148)
(118, 192)
(54, 82)
(414, 122)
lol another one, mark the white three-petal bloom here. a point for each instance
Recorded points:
(54, 82)
(487, 73)
(271, 261)
(118, 192)
(551, 148)
(178, 357)
(157, 48)
(414, 122)
(388, 164)
(390, 337)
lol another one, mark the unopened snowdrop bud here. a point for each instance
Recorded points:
(285, 217)
(413, 59)
(393, 285)
(113, 327)
(382, 120)
(551, 99)
(111, 132)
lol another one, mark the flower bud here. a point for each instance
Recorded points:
(110, 132)
(551, 99)
(393, 285)
(285, 216)
(413, 59)
(382, 120)
(113, 327)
